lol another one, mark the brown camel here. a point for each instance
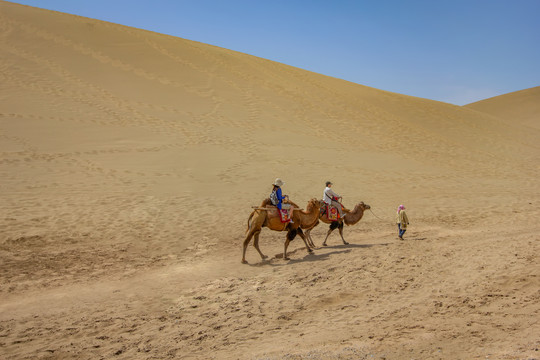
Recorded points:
(271, 220)
(349, 218)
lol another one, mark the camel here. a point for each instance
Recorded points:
(271, 220)
(349, 218)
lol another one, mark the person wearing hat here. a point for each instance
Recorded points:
(402, 220)
(331, 198)
(276, 197)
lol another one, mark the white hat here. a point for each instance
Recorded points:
(278, 182)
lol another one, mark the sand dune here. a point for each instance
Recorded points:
(520, 107)
(130, 161)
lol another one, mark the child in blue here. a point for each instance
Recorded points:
(277, 197)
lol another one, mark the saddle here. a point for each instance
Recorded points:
(331, 212)
(284, 213)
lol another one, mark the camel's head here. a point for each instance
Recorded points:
(364, 206)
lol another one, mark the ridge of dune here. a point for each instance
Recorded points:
(519, 107)
(130, 161)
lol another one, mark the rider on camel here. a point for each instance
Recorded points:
(331, 198)
(277, 198)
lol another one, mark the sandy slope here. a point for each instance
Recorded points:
(130, 161)
(520, 107)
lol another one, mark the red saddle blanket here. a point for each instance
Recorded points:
(284, 215)
(332, 213)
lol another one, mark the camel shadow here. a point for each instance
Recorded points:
(317, 257)
(350, 246)
(314, 256)
(311, 257)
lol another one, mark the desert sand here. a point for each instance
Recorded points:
(130, 161)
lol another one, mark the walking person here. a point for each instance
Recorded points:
(402, 220)
(331, 198)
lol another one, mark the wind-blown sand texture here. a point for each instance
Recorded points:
(130, 161)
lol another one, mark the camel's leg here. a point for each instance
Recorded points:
(309, 239)
(340, 227)
(246, 243)
(287, 241)
(327, 235)
(308, 235)
(301, 233)
(333, 226)
(291, 233)
(256, 244)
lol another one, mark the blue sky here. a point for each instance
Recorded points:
(456, 51)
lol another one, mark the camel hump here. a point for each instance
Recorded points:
(293, 204)
(266, 202)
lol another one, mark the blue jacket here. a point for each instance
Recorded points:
(280, 198)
